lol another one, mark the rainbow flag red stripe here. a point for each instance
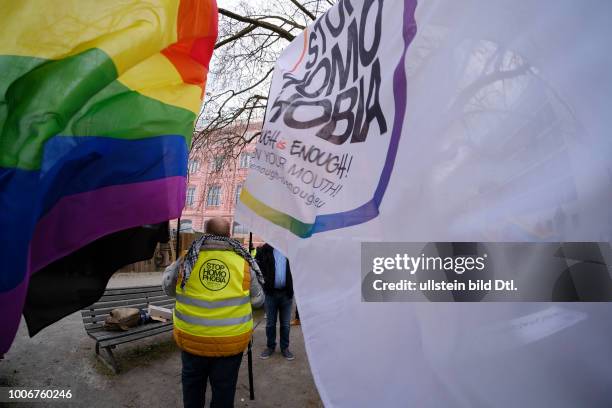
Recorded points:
(98, 105)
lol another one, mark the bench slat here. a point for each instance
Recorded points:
(104, 335)
(135, 336)
(135, 289)
(113, 298)
(99, 327)
(94, 327)
(123, 303)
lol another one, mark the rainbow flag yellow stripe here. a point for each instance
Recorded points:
(157, 48)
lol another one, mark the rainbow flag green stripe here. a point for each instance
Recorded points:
(44, 100)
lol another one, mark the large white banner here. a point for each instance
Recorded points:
(442, 121)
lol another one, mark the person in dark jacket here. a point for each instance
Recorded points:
(278, 288)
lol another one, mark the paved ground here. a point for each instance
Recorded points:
(63, 356)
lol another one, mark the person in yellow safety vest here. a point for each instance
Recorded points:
(215, 285)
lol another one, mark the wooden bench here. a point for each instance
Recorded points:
(139, 297)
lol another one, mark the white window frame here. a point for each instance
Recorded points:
(190, 196)
(213, 199)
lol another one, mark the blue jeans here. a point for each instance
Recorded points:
(278, 304)
(222, 372)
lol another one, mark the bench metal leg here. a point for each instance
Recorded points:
(108, 358)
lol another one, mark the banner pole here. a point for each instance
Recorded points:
(250, 363)
(250, 351)
(178, 242)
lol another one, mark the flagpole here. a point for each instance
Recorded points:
(250, 351)
(178, 242)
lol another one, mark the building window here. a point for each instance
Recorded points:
(190, 196)
(240, 229)
(193, 166)
(214, 196)
(238, 191)
(245, 159)
(216, 164)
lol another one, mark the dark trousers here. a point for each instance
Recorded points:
(222, 372)
(279, 304)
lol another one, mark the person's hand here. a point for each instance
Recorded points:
(170, 277)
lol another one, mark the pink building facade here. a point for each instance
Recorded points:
(213, 188)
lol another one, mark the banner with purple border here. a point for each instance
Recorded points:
(334, 120)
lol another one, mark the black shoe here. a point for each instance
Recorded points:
(287, 354)
(266, 353)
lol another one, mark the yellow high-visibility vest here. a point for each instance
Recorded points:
(213, 315)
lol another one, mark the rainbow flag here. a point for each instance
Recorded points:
(97, 105)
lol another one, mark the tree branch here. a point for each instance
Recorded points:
(263, 24)
(256, 83)
(236, 36)
(303, 9)
(291, 23)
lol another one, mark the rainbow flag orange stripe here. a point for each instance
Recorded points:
(98, 104)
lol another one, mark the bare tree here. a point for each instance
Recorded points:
(251, 37)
